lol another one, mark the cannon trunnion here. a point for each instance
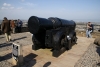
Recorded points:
(55, 33)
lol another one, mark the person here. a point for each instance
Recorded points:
(19, 25)
(12, 26)
(16, 26)
(6, 29)
(89, 30)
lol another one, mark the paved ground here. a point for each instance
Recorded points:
(42, 57)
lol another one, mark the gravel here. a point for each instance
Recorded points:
(90, 58)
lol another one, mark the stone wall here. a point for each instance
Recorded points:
(90, 58)
(25, 29)
(82, 27)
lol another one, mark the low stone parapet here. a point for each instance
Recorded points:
(90, 58)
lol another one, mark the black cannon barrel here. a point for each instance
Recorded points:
(56, 22)
(36, 24)
(66, 23)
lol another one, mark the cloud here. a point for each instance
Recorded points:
(11, 8)
(3, 8)
(28, 4)
(5, 4)
(7, 8)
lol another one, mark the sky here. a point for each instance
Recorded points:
(77, 10)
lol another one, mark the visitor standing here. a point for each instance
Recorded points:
(19, 25)
(12, 23)
(6, 29)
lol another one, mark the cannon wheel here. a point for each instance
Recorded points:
(71, 42)
(69, 45)
(74, 39)
(35, 45)
(61, 49)
(62, 42)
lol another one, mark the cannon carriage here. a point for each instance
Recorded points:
(54, 33)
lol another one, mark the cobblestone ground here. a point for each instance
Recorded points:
(4, 57)
(38, 58)
(19, 37)
(4, 46)
(90, 58)
(5, 64)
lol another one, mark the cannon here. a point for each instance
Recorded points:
(55, 33)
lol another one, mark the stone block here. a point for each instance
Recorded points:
(97, 41)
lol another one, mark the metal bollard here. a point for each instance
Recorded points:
(17, 56)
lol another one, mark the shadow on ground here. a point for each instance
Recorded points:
(5, 44)
(29, 60)
(47, 64)
(6, 57)
(19, 38)
(1, 37)
(98, 50)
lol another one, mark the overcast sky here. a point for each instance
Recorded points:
(78, 10)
